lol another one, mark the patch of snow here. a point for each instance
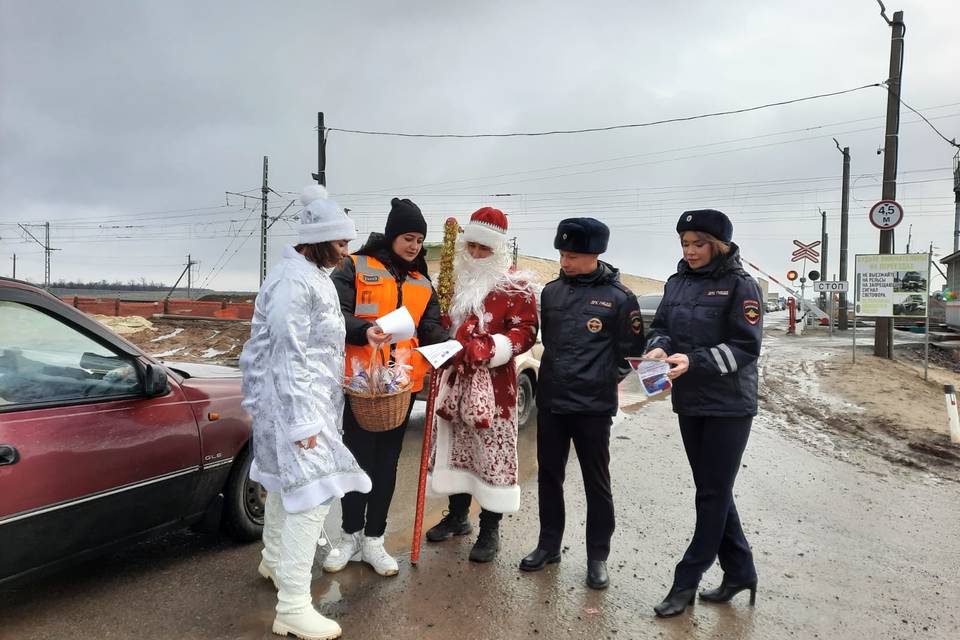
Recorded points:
(213, 335)
(210, 353)
(168, 353)
(174, 333)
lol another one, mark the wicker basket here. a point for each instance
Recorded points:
(379, 412)
(375, 410)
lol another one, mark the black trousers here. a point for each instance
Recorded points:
(459, 504)
(714, 448)
(591, 438)
(378, 455)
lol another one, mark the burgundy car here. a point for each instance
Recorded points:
(101, 445)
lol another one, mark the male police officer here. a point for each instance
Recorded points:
(590, 322)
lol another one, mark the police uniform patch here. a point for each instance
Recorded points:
(636, 322)
(594, 325)
(369, 278)
(751, 311)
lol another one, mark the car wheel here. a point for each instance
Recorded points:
(525, 398)
(243, 502)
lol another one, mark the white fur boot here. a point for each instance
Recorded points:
(298, 546)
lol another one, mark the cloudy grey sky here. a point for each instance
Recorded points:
(123, 123)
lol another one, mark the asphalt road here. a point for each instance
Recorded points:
(867, 550)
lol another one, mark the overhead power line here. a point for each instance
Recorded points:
(952, 143)
(637, 125)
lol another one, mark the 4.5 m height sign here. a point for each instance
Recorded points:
(892, 286)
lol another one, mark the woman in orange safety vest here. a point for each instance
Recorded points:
(388, 272)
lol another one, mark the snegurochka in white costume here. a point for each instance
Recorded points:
(293, 368)
(493, 314)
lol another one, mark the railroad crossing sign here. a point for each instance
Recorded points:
(886, 214)
(805, 252)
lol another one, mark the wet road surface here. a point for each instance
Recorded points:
(843, 550)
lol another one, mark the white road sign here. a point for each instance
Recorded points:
(840, 286)
(886, 214)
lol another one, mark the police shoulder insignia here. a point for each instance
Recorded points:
(751, 311)
(636, 322)
(594, 325)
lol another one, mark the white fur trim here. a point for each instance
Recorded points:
(341, 228)
(486, 235)
(503, 351)
(315, 493)
(445, 482)
(313, 192)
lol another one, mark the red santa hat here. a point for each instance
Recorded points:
(487, 226)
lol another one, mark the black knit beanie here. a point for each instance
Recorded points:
(405, 217)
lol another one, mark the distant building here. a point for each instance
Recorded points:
(953, 283)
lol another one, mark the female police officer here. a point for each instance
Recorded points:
(708, 327)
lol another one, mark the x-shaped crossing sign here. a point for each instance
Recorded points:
(806, 252)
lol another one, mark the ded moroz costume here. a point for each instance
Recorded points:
(494, 316)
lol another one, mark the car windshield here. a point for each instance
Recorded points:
(651, 301)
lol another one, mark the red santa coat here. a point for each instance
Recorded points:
(483, 461)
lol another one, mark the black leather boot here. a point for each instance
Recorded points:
(597, 577)
(727, 590)
(487, 544)
(676, 602)
(538, 559)
(452, 524)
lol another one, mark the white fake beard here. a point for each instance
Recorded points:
(474, 279)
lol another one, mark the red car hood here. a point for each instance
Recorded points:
(200, 370)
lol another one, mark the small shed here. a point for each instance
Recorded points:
(953, 283)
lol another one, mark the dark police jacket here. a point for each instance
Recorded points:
(589, 323)
(713, 315)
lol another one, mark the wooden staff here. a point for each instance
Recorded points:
(444, 296)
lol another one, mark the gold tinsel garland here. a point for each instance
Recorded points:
(445, 280)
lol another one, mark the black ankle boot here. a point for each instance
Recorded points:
(452, 524)
(676, 602)
(487, 544)
(727, 590)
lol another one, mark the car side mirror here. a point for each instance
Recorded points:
(155, 381)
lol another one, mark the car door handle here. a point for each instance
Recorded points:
(8, 454)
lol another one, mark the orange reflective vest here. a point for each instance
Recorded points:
(378, 295)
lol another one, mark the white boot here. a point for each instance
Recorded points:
(346, 550)
(274, 516)
(308, 624)
(373, 553)
(298, 545)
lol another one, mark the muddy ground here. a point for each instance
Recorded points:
(209, 341)
(854, 523)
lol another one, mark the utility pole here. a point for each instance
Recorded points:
(263, 224)
(190, 264)
(956, 202)
(46, 249)
(321, 175)
(515, 251)
(883, 336)
(844, 237)
(909, 237)
(46, 262)
(823, 255)
(14, 266)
